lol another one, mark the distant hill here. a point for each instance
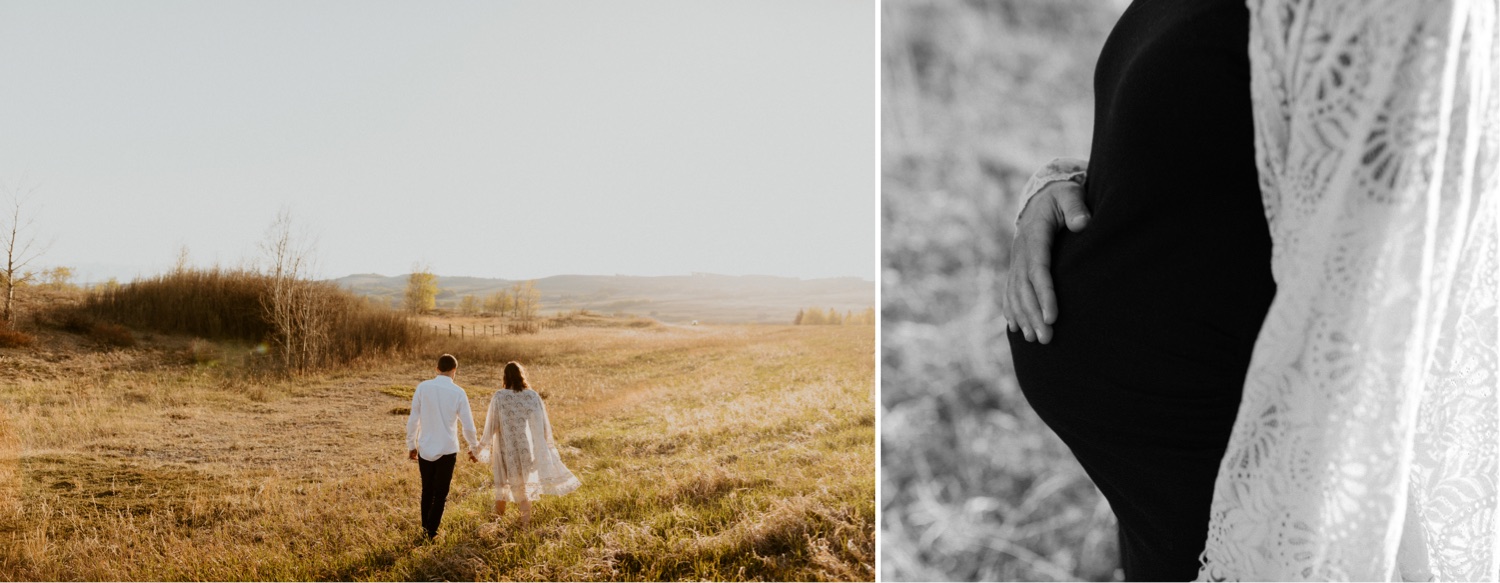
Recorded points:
(674, 298)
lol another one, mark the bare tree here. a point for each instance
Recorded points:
(517, 302)
(297, 309)
(18, 241)
(528, 300)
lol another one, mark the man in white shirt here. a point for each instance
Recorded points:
(432, 437)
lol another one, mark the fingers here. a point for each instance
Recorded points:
(1041, 284)
(1040, 273)
(1037, 300)
(1019, 288)
(1036, 328)
(1013, 280)
(1029, 303)
(1012, 320)
(1016, 293)
(1069, 201)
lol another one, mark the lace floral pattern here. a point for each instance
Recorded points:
(1365, 445)
(525, 457)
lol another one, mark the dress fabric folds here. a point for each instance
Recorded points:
(1365, 446)
(519, 446)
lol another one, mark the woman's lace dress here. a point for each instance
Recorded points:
(524, 458)
(1365, 445)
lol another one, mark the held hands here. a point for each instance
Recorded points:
(1029, 304)
(413, 455)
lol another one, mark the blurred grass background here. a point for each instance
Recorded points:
(976, 95)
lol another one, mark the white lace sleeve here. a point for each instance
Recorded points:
(1365, 446)
(1057, 169)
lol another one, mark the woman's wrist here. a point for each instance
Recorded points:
(1056, 170)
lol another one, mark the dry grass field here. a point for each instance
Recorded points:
(708, 452)
(976, 95)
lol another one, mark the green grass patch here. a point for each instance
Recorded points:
(399, 391)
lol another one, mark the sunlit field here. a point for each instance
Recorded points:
(975, 96)
(706, 452)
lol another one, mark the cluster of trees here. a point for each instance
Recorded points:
(110, 284)
(56, 278)
(522, 301)
(819, 316)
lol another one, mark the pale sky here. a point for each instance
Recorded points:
(494, 139)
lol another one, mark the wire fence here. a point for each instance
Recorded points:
(490, 330)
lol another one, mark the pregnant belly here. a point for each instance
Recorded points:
(1152, 339)
(1146, 397)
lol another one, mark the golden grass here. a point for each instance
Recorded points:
(706, 453)
(230, 305)
(10, 473)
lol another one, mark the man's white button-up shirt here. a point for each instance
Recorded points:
(435, 407)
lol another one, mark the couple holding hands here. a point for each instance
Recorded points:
(525, 463)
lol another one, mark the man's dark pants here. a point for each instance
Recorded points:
(436, 476)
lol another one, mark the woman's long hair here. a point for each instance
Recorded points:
(515, 377)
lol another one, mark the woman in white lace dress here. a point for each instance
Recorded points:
(525, 462)
(1366, 444)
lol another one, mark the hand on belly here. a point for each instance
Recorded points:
(1028, 302)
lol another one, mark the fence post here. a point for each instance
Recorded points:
(450, 330)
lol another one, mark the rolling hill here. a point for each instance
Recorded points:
(704, 297)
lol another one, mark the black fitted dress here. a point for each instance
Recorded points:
(1160, 298)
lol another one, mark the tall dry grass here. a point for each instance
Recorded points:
(11, 337)
(725, 453)
(231, 304)
(976, 95)
(219, 304)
